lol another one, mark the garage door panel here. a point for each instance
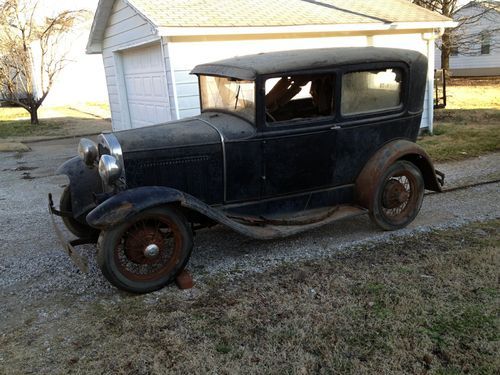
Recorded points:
(147, 114)
(146, 85)
(146, 88)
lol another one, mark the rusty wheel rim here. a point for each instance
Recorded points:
(148, 249)
(399, 196)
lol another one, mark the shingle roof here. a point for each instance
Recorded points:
(255, 13)
(216, 17)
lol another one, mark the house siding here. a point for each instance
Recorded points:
(126, 28)
(471, 62)
(184, 55)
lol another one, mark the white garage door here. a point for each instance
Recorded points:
(146, 86)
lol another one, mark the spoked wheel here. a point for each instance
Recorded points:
(79, 229)
(147, 252)
(398, 197)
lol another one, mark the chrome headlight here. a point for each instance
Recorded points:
(109, 169)
(88, 151)
(111, 166)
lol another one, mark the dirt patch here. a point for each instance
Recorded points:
(427, 303)
(13, 147)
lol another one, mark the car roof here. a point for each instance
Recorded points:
(251, 66)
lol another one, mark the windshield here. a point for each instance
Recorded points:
(228, 94)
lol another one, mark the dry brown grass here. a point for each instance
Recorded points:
(428, 304)
(470, 124)
(54, 122)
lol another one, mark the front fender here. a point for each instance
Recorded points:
(369, 177)
(125, 205)
(84, 182)
(122, 206)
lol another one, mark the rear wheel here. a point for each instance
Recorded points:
(76, 227)
(398, 197)
(147, 252)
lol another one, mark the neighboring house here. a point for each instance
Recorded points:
(150, 46)
(476, 41)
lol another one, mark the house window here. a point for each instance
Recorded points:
(485, 43)
(371, 91)
(454, 51)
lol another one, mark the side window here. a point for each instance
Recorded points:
(299, 97)
(371, 91)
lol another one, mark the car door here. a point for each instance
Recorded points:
(298, 142)
(372, 112)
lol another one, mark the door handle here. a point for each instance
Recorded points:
(334, 127)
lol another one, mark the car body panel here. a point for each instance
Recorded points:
(84, 183)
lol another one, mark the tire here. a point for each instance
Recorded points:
(76, 227)
(126, 261)
(398, 196)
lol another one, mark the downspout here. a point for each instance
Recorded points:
(430, 38)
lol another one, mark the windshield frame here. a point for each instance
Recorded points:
(227, 109)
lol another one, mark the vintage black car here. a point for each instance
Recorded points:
(286, 142)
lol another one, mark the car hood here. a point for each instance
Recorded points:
(207, 128)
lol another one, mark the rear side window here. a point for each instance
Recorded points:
(371, 91)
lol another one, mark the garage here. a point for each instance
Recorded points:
(150, 47)
(145, 85)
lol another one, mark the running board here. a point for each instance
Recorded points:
(282, 226)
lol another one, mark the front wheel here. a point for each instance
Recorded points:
(398, 196)
(147, 252)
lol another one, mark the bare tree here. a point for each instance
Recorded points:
(458, 37)
(32, 51)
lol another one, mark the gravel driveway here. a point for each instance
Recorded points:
(35, 274)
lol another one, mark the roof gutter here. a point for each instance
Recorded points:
(232, 30)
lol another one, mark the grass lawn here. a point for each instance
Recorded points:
(470, 124)
(428, 304)
(54, 121)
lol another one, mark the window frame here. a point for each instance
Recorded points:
(485, 40)
(394, 111)
(215, 110)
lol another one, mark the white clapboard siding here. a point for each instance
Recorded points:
(472, 62)
(184, 55)
(125, 29)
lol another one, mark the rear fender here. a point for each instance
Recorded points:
(84, 182)
(369, 177)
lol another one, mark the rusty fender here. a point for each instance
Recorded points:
(126, 204)
(84, 181)
(369, 178)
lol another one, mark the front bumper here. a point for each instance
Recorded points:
(69, 246)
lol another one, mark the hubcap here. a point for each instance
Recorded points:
(151, 251)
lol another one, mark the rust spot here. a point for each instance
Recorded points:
(119, 213)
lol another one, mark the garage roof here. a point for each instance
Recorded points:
(249, 13)
(206, 17)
